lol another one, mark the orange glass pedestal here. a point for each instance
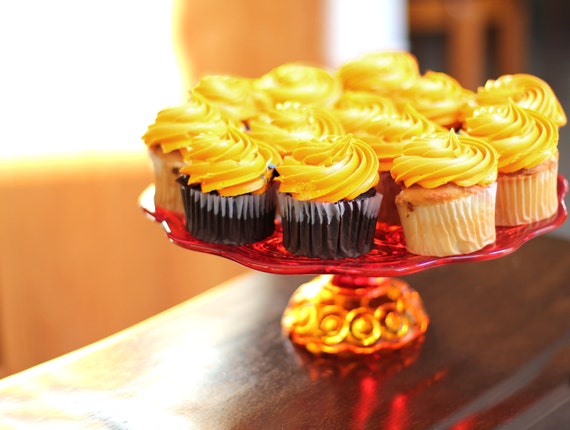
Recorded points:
(337, 314)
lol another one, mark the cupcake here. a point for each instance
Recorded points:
(328, 203)
(447, 203)
(169, 136)
(227, 188)
(387, 136)
(286, 124)
(355, 109)
(385, 72)
(527, 91)
(301, 83)
(438, 97)
(233, 95)
(527, 143)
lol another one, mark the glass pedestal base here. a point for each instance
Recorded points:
(338, 314)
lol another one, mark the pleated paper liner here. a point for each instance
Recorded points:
(452, 226)
(235, 220)
(527, 197)
(329, 230)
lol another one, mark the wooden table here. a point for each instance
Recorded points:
(497, 351)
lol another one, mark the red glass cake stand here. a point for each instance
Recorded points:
(354, 305)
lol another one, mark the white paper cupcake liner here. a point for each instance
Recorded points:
(329, 230)
(459, 226)
(523, 199)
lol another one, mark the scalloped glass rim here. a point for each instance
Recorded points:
(388, 257)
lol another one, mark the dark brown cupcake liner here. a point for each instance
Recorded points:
(389, 189)
(329, 230)
(235, 220)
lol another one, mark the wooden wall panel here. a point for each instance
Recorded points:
(247, 37)
(80, 261)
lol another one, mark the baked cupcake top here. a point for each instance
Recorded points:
(329, 170)
(446, 158)
(388, 134)
(439, 97)
(288, 123)
(231, 164)
(232, 94)
(522, 137)
(354, 109)
(175, 127)
(525, 90)
(384, 72)
(299, 83)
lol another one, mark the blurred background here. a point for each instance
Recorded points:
(81, 81)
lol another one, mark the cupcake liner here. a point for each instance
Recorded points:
(459, 226)
(237, 220)
(166, 188)
(388, 212)
(329, 230)
(525, 198)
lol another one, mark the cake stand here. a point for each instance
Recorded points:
(353, 305)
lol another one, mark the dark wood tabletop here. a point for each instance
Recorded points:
(496, 355)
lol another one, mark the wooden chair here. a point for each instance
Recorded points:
(465, 25)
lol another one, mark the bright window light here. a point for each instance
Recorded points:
(87, 77)
(83, 76)
(357, 27)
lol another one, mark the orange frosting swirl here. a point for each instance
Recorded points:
(439, 97)
(299, 83)
(329, 170)
(387, 135)
(446, 157)
(174, 127)
(232, 94)
(287, 124)
(527, 91)
(270, 153)
(231, 164)
(523, 138)
(383, 72)
(354, 109)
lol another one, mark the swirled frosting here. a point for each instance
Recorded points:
(287, 124)
(299, 83)
(174, 127)
(388, 134)
(383, 72)
(355, 109)
(232, 94)
(439, 97)
(329, 170)
(270, 153)
(446, 157)
(231, 164)
(527, 91)
(522, 137)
